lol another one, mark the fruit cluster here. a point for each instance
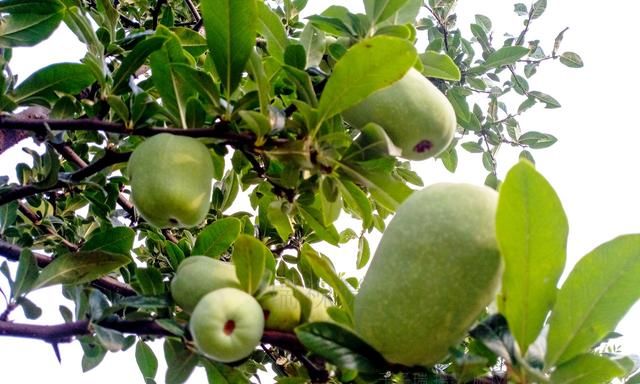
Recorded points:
(226, 322)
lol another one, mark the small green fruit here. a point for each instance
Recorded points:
(198, 275)
(227, 325)
(281, 308)
(416, 116)
(170, 180)
(435, 270)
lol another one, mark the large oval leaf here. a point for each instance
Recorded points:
(217, 237)
(340, 347)
(61, 77)
(231, 34)
(115, 240)
(80, 267)
(598, 292)
(532, 232)
(28, 21)
(587, 369)
(440, 66)
(250, 259)
(366, 67)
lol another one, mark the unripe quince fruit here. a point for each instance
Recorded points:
(227, 324)
(281, 308)
(435, 270)
(170, 180)
(283, 311)
(416, 116)
(319, 305)
(198, 275)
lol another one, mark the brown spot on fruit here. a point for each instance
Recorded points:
(266, 314)
(423, 146)
(229, 326)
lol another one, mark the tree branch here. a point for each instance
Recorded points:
(42, 127)
(109, 284)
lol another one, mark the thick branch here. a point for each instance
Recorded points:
(109, 284)
(41, 127)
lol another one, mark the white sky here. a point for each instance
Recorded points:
(593, 166)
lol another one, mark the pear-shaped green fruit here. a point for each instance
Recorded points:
(435, 270)
(281, 308)
(170, 180)
(416, 116)
(198, 275)
(227, 324)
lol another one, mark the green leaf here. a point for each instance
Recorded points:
(600, 289)
(201, 82)
(147, 360)
(61, 77)
(230, 26)
(493, 333)
(218, 373)
(505, 56)
(439, 66)
(180, 361)
(387, 190)
(364, 252)
(133, 61)
(80, 267)
(111, 340)
(314, 219)
(28, 22)
(380, 10)
(115, 240)
(249, 257)
(323, 268)
(357, 201)
(546, 99)
(217, 237)
(532, 231)
(31, 311)
(8, 214)
(340, 347)
(571, 60)
(271, 28)
(191, 41)
(26, 275)
(538, 9)
(587, 369)
(280, 219)
(173, 91)
(537, 140)
(371, 64)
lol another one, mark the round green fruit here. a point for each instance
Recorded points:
(227, 325)
(198, 275)
(170, 180)
(435, 270)
(319, 305)
(281, 308)
(416, 116)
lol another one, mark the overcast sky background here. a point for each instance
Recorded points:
(593, 167)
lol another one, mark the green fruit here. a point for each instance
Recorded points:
(199, 275)
(227, 324)
(435, 270)
(170, 180)
(319, 305)
(416, 116)
(281, 308)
